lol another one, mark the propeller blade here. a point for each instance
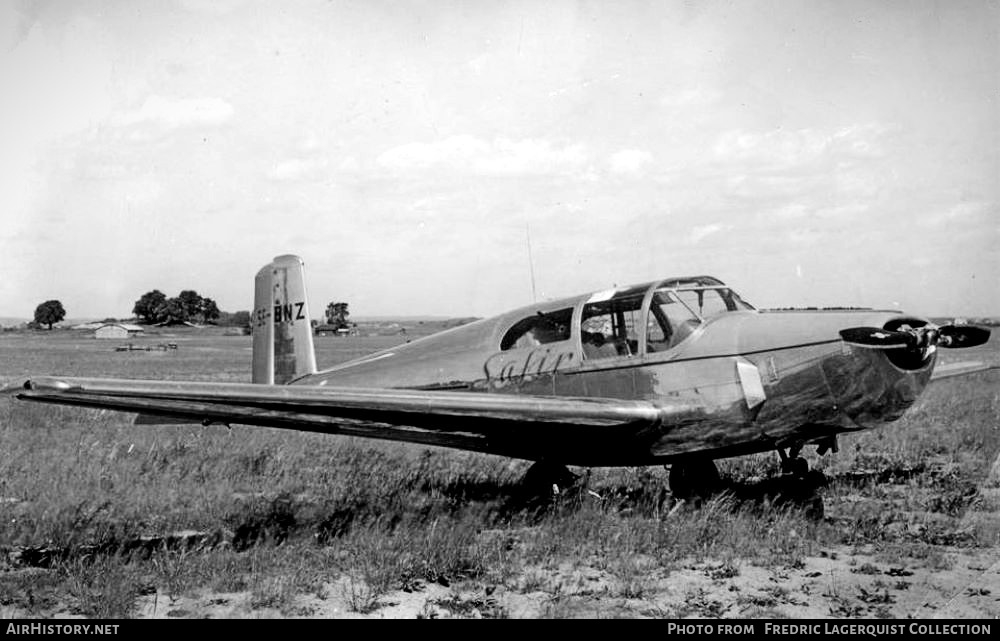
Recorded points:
(963, 335)
(876, 337)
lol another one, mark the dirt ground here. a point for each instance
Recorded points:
(839, 581)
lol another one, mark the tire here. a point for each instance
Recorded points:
(691, 479)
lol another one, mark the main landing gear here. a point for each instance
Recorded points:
(694, 478)
(545, 478)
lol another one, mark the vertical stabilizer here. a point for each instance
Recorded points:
(282, 333)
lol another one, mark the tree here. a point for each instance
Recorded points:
(155, 307)
(239, 319)
(209, 310)
(145, 308)
(170, 311)
(49, 312)
(336, 314)
(191, 303)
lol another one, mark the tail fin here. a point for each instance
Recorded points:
(282, 332)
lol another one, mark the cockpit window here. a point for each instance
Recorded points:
(704, 302)
(677, 310)
(611, 327)
(550, 327)
(670, 321)
(711, 301)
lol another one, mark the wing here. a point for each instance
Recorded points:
(948, 370)
(514, 425)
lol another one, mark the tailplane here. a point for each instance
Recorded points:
(282, 332)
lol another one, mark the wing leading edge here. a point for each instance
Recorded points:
(513, 425)
(950, 370)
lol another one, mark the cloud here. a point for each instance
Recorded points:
(961, 214)
(780, 148)
(468, 154)
(311, 168)
(789, 211)
(697, 96)
(214, 7)
(813, 174)
(349, 165)
(14, 26)
(772, 186)
(629, 161)
(178, 113)
(298, 169)
(702, 232)
(800, 237)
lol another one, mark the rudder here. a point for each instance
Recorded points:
(282, 331)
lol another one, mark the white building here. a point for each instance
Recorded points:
(118, 330)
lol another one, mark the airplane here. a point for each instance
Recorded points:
(680, 371)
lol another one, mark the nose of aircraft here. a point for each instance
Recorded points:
(897, 358)
(877, 386)
(865, 384)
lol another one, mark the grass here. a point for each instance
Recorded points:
(290, 513)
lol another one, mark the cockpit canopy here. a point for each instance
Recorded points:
(628, 321)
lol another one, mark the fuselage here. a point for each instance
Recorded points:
(759, 380)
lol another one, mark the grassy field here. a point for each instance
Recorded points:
(99, 517)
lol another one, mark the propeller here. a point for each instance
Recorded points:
(917, 337)
(877, 338)
(962, 335)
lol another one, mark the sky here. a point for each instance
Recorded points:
(806, 153)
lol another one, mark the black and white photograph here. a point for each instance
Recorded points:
(436, 309)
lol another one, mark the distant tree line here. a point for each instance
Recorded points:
(187, 307)
(234, 319)
(155, 308)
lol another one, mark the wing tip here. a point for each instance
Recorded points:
(15, 388)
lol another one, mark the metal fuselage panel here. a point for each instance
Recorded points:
(813, 384)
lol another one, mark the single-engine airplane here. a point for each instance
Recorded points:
(678, 371)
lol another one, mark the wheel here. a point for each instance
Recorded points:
(694, 478)
(797, 467)
(543, 475)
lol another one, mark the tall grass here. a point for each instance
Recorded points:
(292, 512)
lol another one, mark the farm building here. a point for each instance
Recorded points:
(117, 330)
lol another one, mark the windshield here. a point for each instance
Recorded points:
(669, 321)
(676, 311)
(707, 302)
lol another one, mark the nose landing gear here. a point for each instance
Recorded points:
(792, 464)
